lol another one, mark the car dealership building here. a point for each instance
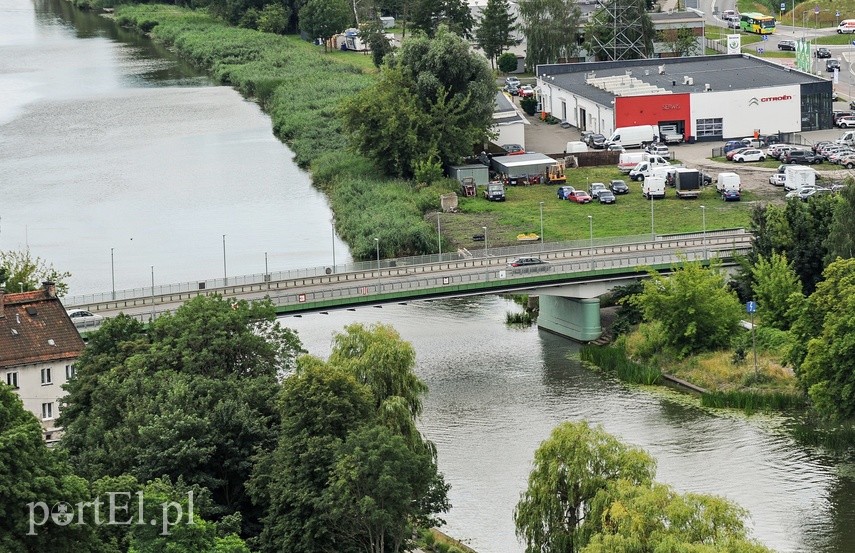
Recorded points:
(705, 97)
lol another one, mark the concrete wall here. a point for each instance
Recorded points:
(577, 319)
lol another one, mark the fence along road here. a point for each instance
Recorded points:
(456, 274)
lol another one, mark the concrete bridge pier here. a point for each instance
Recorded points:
(574, 318)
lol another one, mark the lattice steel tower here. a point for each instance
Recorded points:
(624, 18)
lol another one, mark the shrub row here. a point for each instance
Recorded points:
(301, 88)
(752, 401)
(614, 359)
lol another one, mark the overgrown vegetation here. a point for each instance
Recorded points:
(615, 360)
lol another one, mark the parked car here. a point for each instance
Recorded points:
(526, 262)
(595, 140)
(512, 90)
(619, 186)
(831, 65)
(595, 189)
(787, 45)
(615, 148)
(847, 161)
(732, 145)
(822, 52)
(513, 149)
(579, 196)
(729, 155)
(835, 115)
(802, 157)
(659, 150)
(606, 197)
(730, 195)
(751, 154)
(526, 91)
(81, 317)
(512, 81)
(733, 24)
(845, 122)
(564, 191)
(777, 179)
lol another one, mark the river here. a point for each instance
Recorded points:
(107, 141)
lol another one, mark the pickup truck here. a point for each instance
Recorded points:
(669, 134)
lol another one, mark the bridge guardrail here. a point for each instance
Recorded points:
(361, 266)
(476, 272)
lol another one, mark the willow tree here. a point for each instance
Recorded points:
(550, 28)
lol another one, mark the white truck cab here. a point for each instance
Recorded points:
(645, 168)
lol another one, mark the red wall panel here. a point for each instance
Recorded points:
(650, 110)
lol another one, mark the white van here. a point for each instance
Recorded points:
(653, 187)
(846, 26)
(728, 181)
(575, 147)
(638, 136)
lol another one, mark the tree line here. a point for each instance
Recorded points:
(282, 451)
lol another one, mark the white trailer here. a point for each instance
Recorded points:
(797, 176)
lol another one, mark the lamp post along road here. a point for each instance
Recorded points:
(487, 269)
(225, 273)
(591, 244)
(541, 226)
(377, 246)
(704, 223)
(152, 292)
(652, 232)
(332, 225)
(439, 234)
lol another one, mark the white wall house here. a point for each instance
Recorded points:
(582, 112)
(741, 112)
(38, 347)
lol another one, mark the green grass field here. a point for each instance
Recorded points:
(565, 220)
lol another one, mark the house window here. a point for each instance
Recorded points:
(709, 127)
(12, 379)
(46, 379)
(70, 371)
(47, 411)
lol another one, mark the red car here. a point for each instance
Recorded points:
(579, 196)
(526, 91)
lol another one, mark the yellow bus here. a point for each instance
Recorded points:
(757, 23)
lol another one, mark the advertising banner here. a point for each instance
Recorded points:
(734, 44)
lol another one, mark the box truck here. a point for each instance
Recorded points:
(638, 136)
(628, 160)
(653, 188)
(687, 182)
(797, 176)
(728, 181)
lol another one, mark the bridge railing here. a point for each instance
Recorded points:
(531, 248)
(608, 257)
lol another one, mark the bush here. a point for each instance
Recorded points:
(529, 105)
(508, 62)
(427, 171)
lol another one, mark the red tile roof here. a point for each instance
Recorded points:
(34, 328)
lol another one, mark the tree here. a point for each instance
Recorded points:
(571, 467)
(30, 473)
(549, 27)
(774, 283)
(319, 406)
(827, 325)
(378, 490)
(273, 18)
(324, 18)
(21, 272)
(429, 15)
(635, 519)
(622, 30)
(682, 42)
(192, 397)
(841, 234)
(374, 35)
(378, 358)
(435, 97)
(508, 62)
(694, 306)
(495, 29)
(809, 223)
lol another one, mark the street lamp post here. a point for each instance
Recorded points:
(332, 226)
(591, 244)
(152, 292)
(377, 247)
(439, 234)
(652, 231)
(541, 226)
(266, 272)
(113, 273)
(487, 269)
(704, 223)
(225, 273)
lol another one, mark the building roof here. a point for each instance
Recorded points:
(34, 328)
(721, 72)
(504, 111)
(675, 17)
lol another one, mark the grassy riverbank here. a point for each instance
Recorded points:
(729, 376)
(301, 87)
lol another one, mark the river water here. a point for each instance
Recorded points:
(107, 141)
